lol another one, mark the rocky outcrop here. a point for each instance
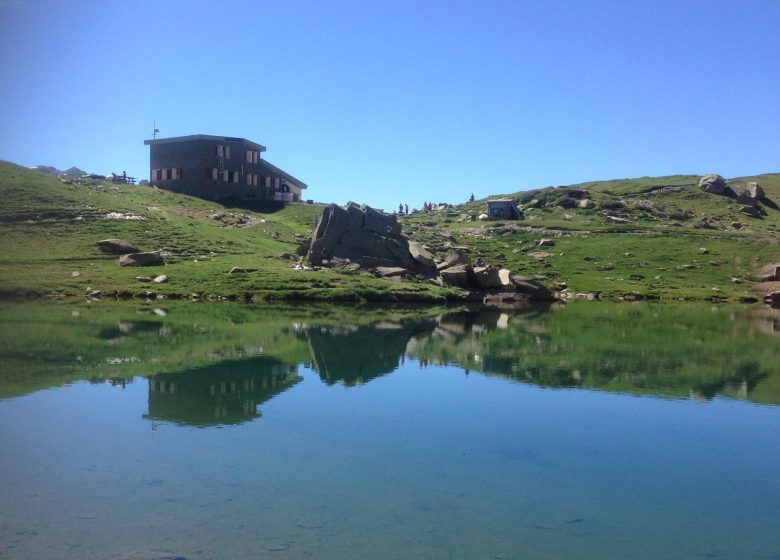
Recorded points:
(142, 259)
(367, 237)
(117, 247)
(353, 237)
(713, 183)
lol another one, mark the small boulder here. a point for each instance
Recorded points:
(533, 289)
(161, 279)
(713, 183)
(546, 243)
(457, 275)
(117, 247)
(421, 254)
(392, 271)
(153, 258)
(486, 277)
(236, 270)
(752, 211)
(755, 191)
(586, 203)
(616, 220)
(454, 258)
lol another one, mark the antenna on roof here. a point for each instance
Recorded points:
(155, 130)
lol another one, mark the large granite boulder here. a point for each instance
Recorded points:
(367, 237)
(117, 247)
(712, 183)
(142, 259)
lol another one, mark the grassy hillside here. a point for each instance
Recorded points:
(48, 232)
(678, 241)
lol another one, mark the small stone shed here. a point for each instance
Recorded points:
(503, 209)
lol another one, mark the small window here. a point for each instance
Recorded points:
(235, 176)
(248, 178)
(276, 183)
(249, 156)
(220, 151)
(155, 174)
(254, 179)
(268, 182)
(225, 175)
(227, 152)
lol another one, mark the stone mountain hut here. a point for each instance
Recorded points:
(219, 167)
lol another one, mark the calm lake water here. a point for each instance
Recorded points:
(195, 431)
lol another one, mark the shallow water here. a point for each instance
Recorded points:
(233, 432)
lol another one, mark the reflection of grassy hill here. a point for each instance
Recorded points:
(679, 242)
(657, 349)
(48, 232)
(661, 349)
(44, 344)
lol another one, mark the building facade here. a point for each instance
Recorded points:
(218, 168)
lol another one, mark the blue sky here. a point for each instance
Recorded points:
(388, 102)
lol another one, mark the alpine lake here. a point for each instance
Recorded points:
(182, 430)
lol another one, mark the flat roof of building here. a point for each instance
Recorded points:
(209, 137)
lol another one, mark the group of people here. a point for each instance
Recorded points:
(427, 206)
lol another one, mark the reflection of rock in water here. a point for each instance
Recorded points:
(358, 354)
(226, 393)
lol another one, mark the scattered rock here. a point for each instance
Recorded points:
(616, 220)
(454, 257)
(712, 183)
(770, 272)
(457, 276)
(736, 225)
(143, 278)
(153, 258)
(236, 270)
(586, 203)
(486, 277)
(117, 247)
(392, 272)
(755, 190)
(286, 256)
(421, 254)
(162, 279)
(546, 243)
(531, 288)
(752, 211)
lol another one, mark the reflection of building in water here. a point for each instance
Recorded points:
(225, 393)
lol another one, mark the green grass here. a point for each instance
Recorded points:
(679, 243)
(49, 231)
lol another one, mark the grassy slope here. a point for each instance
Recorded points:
(682, 244)
(48, 232)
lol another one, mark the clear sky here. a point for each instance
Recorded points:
(393, 101)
